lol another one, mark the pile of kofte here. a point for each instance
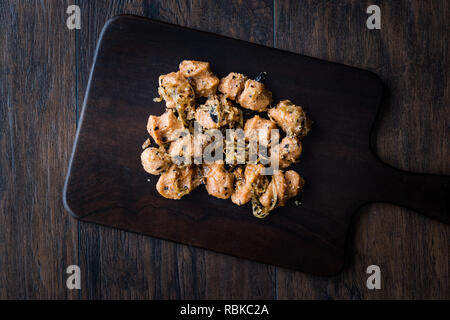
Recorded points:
(196, 98)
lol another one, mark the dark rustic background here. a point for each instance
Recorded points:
(44, 70)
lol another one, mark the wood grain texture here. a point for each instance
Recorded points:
(37, 125)
(169, 270)
(410, 53)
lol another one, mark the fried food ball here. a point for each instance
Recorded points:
(217, 112)
(260, 126)
(155, 160)
(244, 183)
(178, 181)
(288, 151)
(176, 91)
(282, 187)
(218, 181)
(181, 151)
(232, 85)
(165, 128)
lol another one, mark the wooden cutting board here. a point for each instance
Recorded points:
(107, 185)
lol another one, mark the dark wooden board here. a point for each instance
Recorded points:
(106, 184)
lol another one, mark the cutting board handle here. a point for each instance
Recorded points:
(425, 193)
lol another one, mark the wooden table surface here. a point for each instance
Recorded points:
(44, 70)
